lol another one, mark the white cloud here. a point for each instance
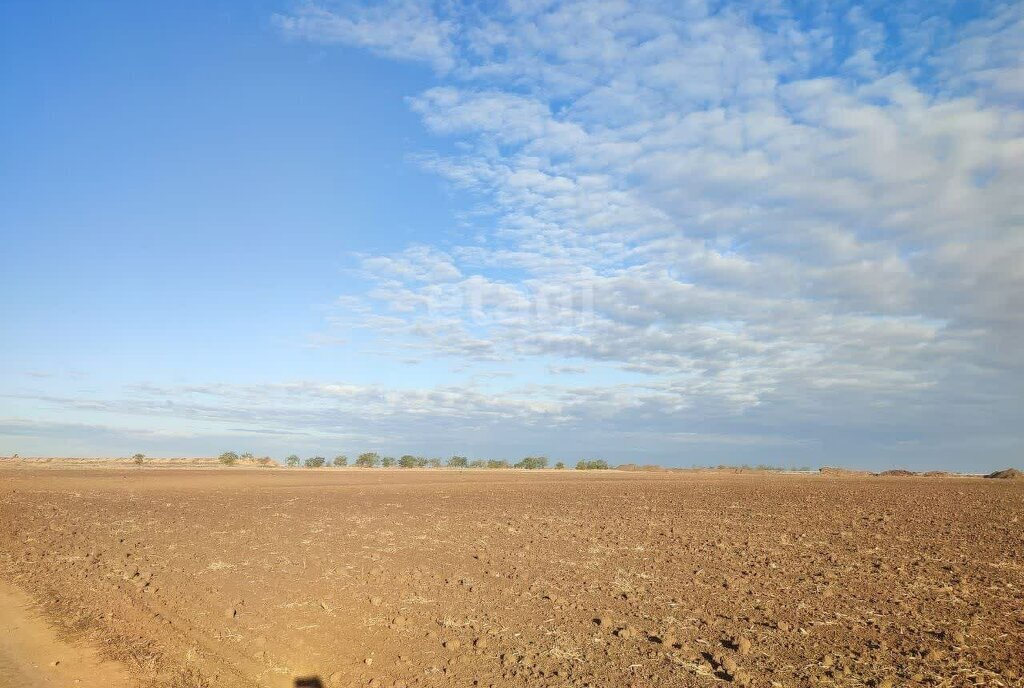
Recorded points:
(987, 60)
(403, 30)
(756, 211)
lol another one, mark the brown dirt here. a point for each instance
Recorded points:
(247, 577)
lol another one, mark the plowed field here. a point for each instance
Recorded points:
(348, 577)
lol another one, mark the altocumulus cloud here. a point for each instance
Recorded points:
(703, 231)
(769, 222)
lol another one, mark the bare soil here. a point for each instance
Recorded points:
(255, 577)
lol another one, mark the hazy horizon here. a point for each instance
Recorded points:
(677, 233)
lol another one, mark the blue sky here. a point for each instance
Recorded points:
(658, 232)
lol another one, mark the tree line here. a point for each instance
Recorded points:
(375, 460)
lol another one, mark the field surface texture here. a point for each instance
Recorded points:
(246, 577)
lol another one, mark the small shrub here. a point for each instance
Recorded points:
(228, 458)
(560, 465)
(457, 462)
(340, 460)
(478, 463)
(434, 463)
(368, 460)
(292, 461)
(387, 461)
(532, 462)
(316, 462)
(498, 463)
(138, 459)
(407, 461)
(592, 465)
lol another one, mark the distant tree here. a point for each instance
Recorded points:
(421, 462)
(457, 462)
(591, 465)
(407, 461)
(316, 462)
(478, 463)
(249, 456)
(139, 458)
(434, 463)
(532, 462)
(559, 465)
(387, 461)
(498, 463)
(292, 461)
(340, 460)
(368, 460)
(228, 458)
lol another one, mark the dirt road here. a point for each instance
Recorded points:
(33, 656)
(240, 577)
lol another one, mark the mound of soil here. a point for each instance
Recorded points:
(1006, 474)
(898, 472)
(832, 470)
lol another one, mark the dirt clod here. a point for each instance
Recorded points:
(741, 644)
(626, 632)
